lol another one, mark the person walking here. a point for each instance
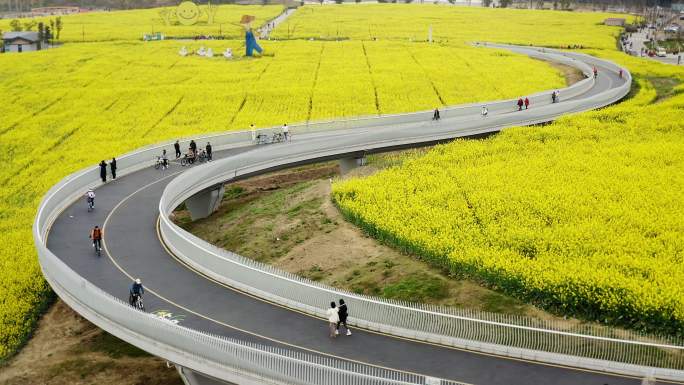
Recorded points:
(208, 148)
(112, 166)
(333, 319)
(103, 171)
(342, 313)
(193, 147)
(520, 104)
(527, 103)
(176, 146)
(435, 115)
(595, 73)
(253, 129)
(136, 290)
(286, 132)
(484, 112)
(620, 73)
(553, 97)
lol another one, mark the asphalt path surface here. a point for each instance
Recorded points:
(128, 210)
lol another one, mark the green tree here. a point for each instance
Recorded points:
(486, 3)
(15, 25)
(41, 34)
(58, 27)
(28, 26)
(505, 3)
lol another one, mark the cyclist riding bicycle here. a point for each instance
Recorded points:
(96, 236)
(136, 291)
(90, 198)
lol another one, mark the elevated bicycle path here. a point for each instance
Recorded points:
(128, 210)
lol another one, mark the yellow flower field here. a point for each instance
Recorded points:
(451, 25)
(131, 25)
(70, 107)
(584, 216)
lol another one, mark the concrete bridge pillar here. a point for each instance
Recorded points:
(348, 164)
(205, 203)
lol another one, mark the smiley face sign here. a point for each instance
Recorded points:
(187, 13)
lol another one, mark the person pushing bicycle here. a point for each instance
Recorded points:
(136, 291)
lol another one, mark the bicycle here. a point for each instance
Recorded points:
(158, 163)
(97, 245)
(263, 139)
(185, 161)
(138, 302)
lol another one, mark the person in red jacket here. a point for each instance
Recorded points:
(527, 103)
(96, 236)
(520, 104)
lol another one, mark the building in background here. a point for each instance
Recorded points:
(50, 11)
(20, 41)
(614, 21)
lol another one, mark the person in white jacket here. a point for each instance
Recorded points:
(333, 319)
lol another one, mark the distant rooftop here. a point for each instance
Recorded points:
(28, 35)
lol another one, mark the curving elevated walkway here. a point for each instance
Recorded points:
(258, 322)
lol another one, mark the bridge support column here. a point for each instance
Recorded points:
(204, 203)
(348, 164)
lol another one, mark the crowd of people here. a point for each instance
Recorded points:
(193, 154)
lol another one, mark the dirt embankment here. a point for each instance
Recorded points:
(66, 349)
(288, 220)
(571, 74)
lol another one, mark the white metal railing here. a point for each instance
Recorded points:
(434, 324)
(586, 346)
(203, 352)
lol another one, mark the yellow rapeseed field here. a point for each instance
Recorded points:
(131, 25)
(451, 25)
(584, 216)
(66, 108)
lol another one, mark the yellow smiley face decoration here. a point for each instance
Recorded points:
(187, 13)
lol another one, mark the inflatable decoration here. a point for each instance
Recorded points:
(251, 44)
